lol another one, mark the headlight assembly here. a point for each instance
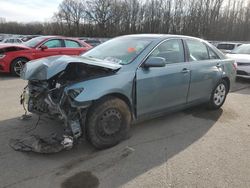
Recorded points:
(73, 93)
(2, 56)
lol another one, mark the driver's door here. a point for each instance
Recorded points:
(55, 46)
(160, 88)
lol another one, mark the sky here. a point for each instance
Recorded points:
(28, 10)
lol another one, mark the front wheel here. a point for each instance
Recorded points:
(108, 122)
(17, 66)
(218, 95)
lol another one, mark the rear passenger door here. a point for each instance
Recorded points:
(205, 70)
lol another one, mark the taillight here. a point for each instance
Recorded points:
(235, 65)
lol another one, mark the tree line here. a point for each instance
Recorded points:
(208, 19)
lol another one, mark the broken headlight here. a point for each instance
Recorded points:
(73, 93)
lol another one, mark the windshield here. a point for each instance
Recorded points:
(33, 42)
(243, 49)
(120, 50)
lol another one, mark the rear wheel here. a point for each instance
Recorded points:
(108, 122)
(17, 66)
(218, 95)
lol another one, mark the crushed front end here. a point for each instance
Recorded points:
(50, 98)
(48, 93)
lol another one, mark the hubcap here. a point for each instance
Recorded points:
(18, 67)
(110, 122)
(219, 94)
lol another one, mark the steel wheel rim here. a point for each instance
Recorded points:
(110, 123)
(18, 67)
(219, 94)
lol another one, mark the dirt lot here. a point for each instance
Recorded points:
(192, 148)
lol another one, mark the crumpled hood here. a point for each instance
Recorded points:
(45, 68)
(8, 45)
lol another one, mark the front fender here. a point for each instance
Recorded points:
(94, 89)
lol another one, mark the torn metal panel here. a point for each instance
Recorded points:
(46, 145)
(46, 94)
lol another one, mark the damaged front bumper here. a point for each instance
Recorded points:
(72, 112)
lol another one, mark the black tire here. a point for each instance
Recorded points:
(17, 65)
(216, 99)
(108, 122)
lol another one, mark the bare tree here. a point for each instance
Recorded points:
(209, 19)
(71, 11)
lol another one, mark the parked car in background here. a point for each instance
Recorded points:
(92, 42)
(126, 79)
(12, 40)
(242, 56)
(227, 47)
(213, 43)
(13, 57)
(28, 37)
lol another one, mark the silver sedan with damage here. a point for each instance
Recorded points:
(126, 79)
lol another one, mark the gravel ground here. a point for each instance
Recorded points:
(191, 148)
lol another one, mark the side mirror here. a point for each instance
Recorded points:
(155, 62)
(43, 47)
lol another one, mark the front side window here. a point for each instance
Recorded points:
(71, 44)
(171, 50)
(54, 43)
(197, 50)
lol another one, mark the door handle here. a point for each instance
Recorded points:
(185, 70)
(218, 65)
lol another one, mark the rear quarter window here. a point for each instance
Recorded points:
(212, 54)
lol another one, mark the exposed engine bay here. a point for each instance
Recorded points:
(49, 96)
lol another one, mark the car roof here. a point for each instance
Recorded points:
(247, 44)
(55, 37)
(161, 36)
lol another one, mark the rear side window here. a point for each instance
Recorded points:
(54, 43)
(171, 50)
(71, 44)
(197, 50)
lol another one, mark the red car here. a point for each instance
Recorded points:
(13, 57)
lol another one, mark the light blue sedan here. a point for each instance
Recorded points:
(128, 78)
